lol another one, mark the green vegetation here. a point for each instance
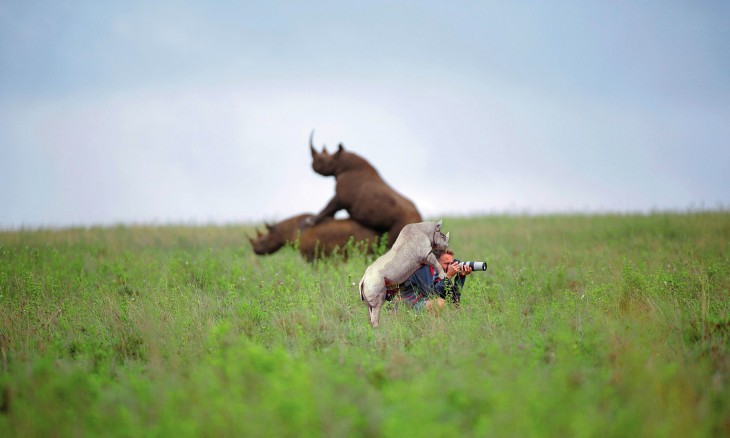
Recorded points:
(582, 326)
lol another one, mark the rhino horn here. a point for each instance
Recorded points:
(311, 143)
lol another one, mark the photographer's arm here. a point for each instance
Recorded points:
(458, 284)
(449, 287)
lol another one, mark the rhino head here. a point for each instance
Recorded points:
(278, 234)
(324, 163)
(439, 241)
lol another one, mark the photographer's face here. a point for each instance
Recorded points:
(445, 260)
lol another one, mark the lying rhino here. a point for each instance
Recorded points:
(414, 246)
(314, 241)
(361, 191)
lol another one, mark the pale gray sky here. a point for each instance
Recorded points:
(200, 112)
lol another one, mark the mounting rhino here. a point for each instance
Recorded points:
(361, 191)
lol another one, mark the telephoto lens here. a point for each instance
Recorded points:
(475, 266)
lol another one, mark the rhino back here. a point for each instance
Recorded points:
(334, 233)
(412, 232)
(408, 252)
(393, 266)
(371, 201)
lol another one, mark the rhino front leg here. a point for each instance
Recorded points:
(374, 296)
(374, 312)
(329, 210)
(434, 262)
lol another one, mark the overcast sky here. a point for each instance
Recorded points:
(180, 112)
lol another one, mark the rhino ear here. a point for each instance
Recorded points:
(438, 224)
(340, 148)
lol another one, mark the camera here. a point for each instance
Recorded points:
(475, 266)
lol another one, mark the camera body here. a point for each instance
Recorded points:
(475, 266)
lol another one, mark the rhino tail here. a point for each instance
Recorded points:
(362, 290)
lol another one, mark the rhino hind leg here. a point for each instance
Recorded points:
(374, 313)
(374, 296)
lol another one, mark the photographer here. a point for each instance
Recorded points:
(425, 289)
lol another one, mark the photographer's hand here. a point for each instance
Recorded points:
(452, 270)
(465, 271)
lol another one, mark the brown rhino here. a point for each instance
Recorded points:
(314, 241)
(361, 191)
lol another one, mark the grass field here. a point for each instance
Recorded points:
(607, 325)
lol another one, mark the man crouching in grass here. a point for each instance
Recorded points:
(425, 289)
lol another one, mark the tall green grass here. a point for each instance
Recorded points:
(606, 325)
